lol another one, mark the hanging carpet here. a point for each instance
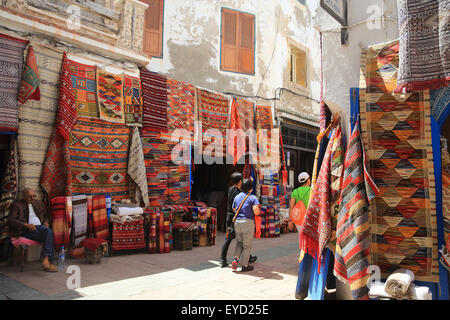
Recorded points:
(110, 96)
(29, 87)
(61, 220)
(84, 87)
(136, 168)
(180, 106)
(132, 99)
(79, 219)
(99, 218)
(66, 116)
(154, 89)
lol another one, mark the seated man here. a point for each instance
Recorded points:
(28, 218)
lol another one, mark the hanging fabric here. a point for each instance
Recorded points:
(29, 87)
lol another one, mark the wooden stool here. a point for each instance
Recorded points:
(23, 244)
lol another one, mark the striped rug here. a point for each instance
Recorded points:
(154, 89)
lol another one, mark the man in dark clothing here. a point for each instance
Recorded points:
(28, 218)
(233, 191)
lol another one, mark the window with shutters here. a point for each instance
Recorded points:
(237, 42)
(153, 28)
(297, 64)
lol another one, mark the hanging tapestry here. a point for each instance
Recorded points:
(316, 229)
(99, 218)
(29, 87)
(397, 136)
(9, 185)
(213, 114)
(136, 168)
(37, 120)
(268, 148)
(180, 105)
(66, 116)
(440, 104)
(11, 64)
(99, 158)
(132, 99)
(154, 89)
(110, 96)
(424, 29)
(236, 142)
(246, 113)
(84, 88)
(56, 177)
(79, 219)
(61, 221)
(353, 226)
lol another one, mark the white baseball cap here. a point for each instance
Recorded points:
(302, 177)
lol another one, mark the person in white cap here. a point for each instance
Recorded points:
(300, 194)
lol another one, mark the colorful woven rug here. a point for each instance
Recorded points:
(213, 114)
(99, 158)
(246, 113)
(154, 89)
(84, 86)
(133, 100)
(37, 120)
(110, 96)
(136, 168)
(235, 143)
(29, 87)
(424, 28)
(446, 193)
(56, 177)
(66, 116)
(100, 217)
(61, 220)
(9, 186)
(396, 131)
(129, 235)
(353, 225)
(79, 219)
(11, 64)
(151, 218)
(180, 109)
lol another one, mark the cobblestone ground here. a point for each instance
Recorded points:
(192, 274)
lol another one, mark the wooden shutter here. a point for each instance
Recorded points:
(246, 43)
(229, 40)
(153, 27)
(300, 68)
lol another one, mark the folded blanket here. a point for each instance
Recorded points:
(125, 211)
(123, 219)
(377, 290)
(398, 283)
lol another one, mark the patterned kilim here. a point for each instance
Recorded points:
(213, 113)
(353, 226)
(56, 177)
(99, 158)
(154, 89)
(446, 193)
(90, 207)
(37, 120)
(100, 217)
(163, 231)
(246, 113)
(84, 88)
(110, 96)
(151, 216)
(9, 185)
(264, 128)
(132, 95)
(424, 29)
(11, 62)
(136, 168)
(29, 87)
(66, 116)
(129, 235)
(79, 219)
(181, 101)
(61, 221)
(235, 143)
(396, 131)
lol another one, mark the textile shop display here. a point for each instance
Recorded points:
(11, 65)
(136, 168)
(397, 137)
(133, 101)
(37, 120)
(154, 89)
(353, 237)
(180, 105)
(99, 158)
(79, 219)
(9, 186)
(213, 114)
(66, 116)
(270, 222)
(84, 88)
(29, 86)
(61, 218)
(99, 218)
(424, 29)
(110, 96)
(129, 235)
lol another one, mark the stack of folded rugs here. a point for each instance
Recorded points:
(400, 286)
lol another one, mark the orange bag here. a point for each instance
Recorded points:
(298, 213)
